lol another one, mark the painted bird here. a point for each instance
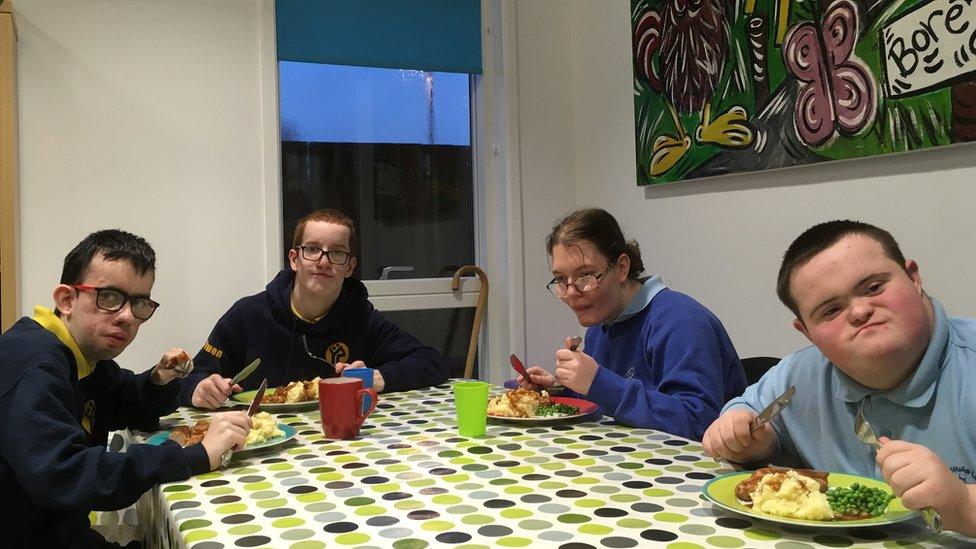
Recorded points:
(691, 38)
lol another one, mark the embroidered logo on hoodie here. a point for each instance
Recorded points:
(337, 352)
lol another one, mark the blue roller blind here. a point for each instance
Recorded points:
(433, 35)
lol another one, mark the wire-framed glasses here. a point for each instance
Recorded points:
(585, 283)
(314, 253)
(112, 300)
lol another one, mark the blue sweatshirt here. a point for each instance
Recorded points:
(57, 410)
(264, 326)
(666, 363)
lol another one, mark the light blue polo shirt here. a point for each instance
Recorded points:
(935, 407)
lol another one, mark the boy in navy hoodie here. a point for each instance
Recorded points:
(311, 311)
(61, 393)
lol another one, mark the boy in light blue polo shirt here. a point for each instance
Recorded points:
(882, 344)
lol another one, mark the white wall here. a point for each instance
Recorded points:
(148, 116)
(719, 240)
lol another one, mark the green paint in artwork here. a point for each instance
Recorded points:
(179, 496)
(521, 469)
(633, 523)
(516, 490)
(552, 466)
(552, 485)
(630, 466)
(624, 498)
(502, 481)
(328, 477)
(255, 486)
(460, 477)
(657, 493)
(585, 480)
(310, 498)
(397, 468)
(584, 462)
(684, 545)
(651, 473)
(534, 524)
(677, 468)
(176, 488)
(284, 466)
(219, 491)
(424, 482)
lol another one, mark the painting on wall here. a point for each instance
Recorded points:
(728, 86)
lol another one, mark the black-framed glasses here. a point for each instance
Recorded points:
(585, 283)
(314, 253)
(112, 300)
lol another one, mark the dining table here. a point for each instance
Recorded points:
(409, 481)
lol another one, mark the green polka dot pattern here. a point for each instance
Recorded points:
(409, 481)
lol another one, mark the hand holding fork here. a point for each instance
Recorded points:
(866, 435)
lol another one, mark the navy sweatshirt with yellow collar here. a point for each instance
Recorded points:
(266, 326)
(56, 410)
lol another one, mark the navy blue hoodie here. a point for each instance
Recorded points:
(54, 469)
(264, 326)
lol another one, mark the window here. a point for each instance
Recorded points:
(392, 149)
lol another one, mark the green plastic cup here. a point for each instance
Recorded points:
(471, 405)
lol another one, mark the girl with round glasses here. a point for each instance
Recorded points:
(653, 357)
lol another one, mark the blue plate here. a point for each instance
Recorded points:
(289, 431)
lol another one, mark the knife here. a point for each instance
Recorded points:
(773, 410)
(251, 410)
(517, 365)
(246, 371)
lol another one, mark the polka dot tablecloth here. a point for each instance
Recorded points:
(409, 481)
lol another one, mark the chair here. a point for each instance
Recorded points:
(756, 366)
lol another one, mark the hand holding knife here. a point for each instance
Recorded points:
(773, 410)
(251, 410)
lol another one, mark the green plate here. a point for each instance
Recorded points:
(721, 491)
(246, 397)
(288, 430)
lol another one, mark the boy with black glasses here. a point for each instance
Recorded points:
(61, 392)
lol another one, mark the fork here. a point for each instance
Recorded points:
(866, 435)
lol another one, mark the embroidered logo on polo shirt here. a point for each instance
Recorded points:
(337, 352)
(212, 350)
(964, 473)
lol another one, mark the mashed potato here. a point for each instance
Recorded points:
(791, 495)
(263, 429)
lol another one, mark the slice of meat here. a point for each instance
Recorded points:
(744, 489)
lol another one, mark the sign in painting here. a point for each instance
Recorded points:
(726, 86)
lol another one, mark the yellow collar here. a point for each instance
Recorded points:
(52, 323)
(298, 315)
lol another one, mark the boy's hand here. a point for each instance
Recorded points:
(921, 479)
(728, 437)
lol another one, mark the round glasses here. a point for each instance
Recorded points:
(585, 283)
(112, 300)
(314, 253)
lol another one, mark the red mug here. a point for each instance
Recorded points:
(341, 406)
